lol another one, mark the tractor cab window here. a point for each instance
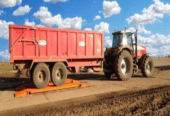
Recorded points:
(117, 39)
(129, 39)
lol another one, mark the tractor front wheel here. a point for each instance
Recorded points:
(147, 67)
(124, 66)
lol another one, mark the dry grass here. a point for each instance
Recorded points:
(6, 68)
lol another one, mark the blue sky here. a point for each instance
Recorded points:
(151, 17)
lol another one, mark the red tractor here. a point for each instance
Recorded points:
(124, 58)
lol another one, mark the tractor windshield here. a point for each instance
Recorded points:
(117, 40)
(129, 39)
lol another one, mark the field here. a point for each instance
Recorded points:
(138, 96)
(6, 68)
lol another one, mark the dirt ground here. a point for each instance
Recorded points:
(138, 96)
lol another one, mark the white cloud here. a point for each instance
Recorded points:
(103, 27)
(156, 40)
(22, 10)
(143, 30)
(29, 23)
(110, 8)
(32, 23)
(150, 14)
(97, 17)
(43, 13)
(40, 25)
(157, 45)
(4, 55)
(4, 27)
(51, 21)
(107, 42)
(55, 1)
(132, 29)
(88, 29)
(10, 3)
(73, 23)
(48, 20)
(160, 51)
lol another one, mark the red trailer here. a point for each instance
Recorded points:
(47, 52)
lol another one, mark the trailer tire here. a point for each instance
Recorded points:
(59, 74)
(124, 66)
(147, 68)
(41, 75)
(31, 75)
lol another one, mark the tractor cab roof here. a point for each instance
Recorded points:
(120, 32)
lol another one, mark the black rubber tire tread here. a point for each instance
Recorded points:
(123, 54)
(31, 75)
(143, 68)
(107, 75)
(38, 67)
(141, 60)
(62, 67)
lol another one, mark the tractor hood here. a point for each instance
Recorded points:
(141, 49)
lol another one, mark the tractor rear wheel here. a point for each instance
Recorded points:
(124, 66)
(105, 68)
(147, 67)
(107, 75)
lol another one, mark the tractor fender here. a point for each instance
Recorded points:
(120, 49)
(142, 59)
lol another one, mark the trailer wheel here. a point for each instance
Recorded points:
(41, 75)
(147, 67)
(124, 66)
(59, 74)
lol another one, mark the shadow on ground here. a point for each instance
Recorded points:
(166, 67)
(97, 76)
(8, 82)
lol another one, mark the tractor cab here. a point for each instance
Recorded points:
(122, 38)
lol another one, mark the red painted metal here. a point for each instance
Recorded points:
(141, 50)
(39, 44)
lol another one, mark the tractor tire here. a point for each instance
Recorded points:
(147, 68)
(41, 75)
(107, 74)
(59, 74)
(124, 66)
